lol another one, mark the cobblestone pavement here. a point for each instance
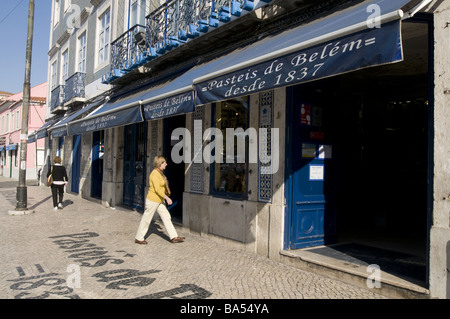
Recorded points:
(87, 251)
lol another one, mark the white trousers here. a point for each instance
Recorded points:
(150, 209)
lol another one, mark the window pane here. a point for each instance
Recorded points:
(231, 175)
(82, 54)
(104, 37)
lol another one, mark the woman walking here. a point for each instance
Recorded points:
(158, 193)
(60, 179)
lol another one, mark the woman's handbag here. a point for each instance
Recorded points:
(50, 178)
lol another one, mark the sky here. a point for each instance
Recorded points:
(13, 39)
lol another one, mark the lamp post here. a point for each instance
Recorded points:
(21, 196)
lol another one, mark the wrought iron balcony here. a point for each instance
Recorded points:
(74, 89)
(178, 21)
(169, 26)
(57, 98)
(126, 47)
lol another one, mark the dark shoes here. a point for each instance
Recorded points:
(142, 242)
(177, 240)
(174, 240)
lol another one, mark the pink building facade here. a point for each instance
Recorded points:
(10, 130)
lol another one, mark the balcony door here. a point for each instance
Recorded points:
(137, 13)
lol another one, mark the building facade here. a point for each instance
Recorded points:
(286, 124)
(11, 125)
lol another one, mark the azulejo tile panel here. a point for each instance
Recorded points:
(266, 122)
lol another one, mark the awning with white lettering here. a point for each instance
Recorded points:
(118, 111)
(361, 36)
(60, 129)
(153, 101)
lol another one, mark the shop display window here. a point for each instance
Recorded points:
(229, 177)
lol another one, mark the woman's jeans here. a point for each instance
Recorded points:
(57, 194)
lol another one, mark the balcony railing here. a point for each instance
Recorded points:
(169, 26)
(126, 47)
(74, 88)
(57, 98)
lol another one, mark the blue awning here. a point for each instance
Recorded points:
(151, 102)
(31, 137)
(42, 131)
(172, 98)
(343, 41)
(11, 147)
(60, 129)
(113, 113)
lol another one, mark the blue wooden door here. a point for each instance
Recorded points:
(76, 164)
(134, 173)
(312, 208)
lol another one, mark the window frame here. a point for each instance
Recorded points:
(67, 4)
(138, 16)
(82, 52)
(56, 12)
(226, 194)
(65, 65)
(54, 74)
(104, 37)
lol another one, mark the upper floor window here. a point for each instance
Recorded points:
(67, 4)
(56, 12)
(82, 53)
(137, 14)
(103, 50)
(18, 119)
(65, 65)
(54, 75)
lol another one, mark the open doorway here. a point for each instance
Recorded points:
(174, 172)
(374, 191)
(383, 149)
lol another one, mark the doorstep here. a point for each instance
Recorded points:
(349, 263)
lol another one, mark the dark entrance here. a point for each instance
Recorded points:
(134, 172)
(98, 144)
(174, 172)
(386, 112)
(377, 121)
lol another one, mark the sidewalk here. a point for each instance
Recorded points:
(91, 249)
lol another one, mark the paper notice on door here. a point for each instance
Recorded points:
(316, 172)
